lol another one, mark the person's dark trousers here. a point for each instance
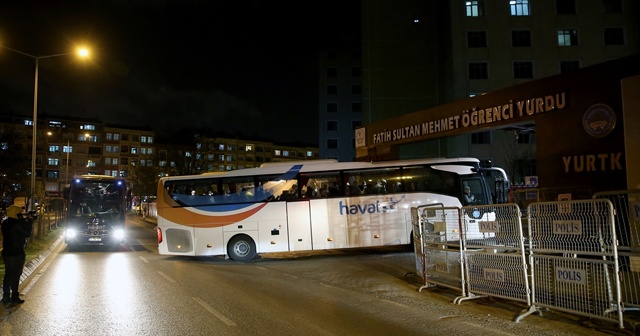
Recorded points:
(13, 266)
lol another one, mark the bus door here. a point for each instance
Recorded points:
(299, 223)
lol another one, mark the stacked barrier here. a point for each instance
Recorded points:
(494, 255)
(573, 258)
(627, 222)
(438, 246)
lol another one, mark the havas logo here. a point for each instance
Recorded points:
(377, 207)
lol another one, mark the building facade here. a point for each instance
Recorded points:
(420, 56)
(340, 101)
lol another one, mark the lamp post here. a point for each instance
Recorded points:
(81, 52)
(66, 174)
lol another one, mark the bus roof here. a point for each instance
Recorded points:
(93, 177)
(311, 166)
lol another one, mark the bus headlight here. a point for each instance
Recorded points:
(118, 233)
(70, 233)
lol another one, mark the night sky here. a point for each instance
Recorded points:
(241, 67)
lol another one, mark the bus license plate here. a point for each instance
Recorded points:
(95, 239)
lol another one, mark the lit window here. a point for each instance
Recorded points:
(277, 152)
(475, 8)
(567, 37)
(519, 7)
(115, 161)
(107, 161)
(53, 161)
(248, 148)
(285, 153)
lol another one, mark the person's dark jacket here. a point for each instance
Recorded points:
(15, 232)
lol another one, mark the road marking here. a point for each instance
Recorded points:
(144, 259)
(167, 277)
(216, 313)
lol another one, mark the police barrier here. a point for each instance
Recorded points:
(574, 260)
(438, 246)
(627, 223)
(493, 253)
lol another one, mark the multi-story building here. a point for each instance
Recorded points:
(422, 54)
(340, 103)
(222, 154)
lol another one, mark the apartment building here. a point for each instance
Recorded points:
(418, 55)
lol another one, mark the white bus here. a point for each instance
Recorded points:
(311, 205)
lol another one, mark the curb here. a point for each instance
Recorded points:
(33, 265)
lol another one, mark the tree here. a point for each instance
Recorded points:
(143, 180)
(14, 163)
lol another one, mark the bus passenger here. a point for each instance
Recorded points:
(334, 190)
(309, 192)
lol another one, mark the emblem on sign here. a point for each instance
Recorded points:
(599, 120)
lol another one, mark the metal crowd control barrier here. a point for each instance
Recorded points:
(574, 260)
(627, 222)
(436, 232)
(493, 254)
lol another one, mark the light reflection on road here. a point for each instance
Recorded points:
(118, 287)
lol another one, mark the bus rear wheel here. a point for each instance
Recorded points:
(241, 248)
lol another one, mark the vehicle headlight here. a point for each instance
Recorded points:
(118, 233)
(70, 233)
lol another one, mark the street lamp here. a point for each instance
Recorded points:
(81, 52)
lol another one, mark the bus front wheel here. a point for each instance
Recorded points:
(241, 248)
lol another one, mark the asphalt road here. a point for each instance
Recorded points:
(135, 291)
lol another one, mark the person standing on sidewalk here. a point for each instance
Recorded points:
(15, 231)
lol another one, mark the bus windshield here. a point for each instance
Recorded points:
(95, 210)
